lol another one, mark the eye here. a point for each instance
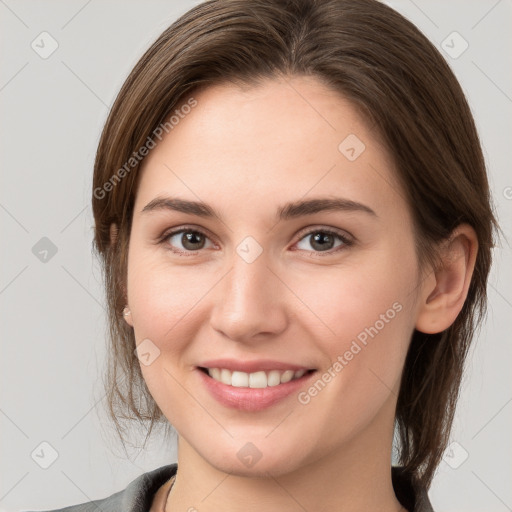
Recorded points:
(191, 240)
(323, 240)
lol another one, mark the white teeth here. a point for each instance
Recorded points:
(215, 373)
(240, 379)
(259, 379)
(225, 376)
(274, 378)
(287, 376)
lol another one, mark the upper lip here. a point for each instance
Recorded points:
(252, 366)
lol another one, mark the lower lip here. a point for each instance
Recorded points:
(252, 399)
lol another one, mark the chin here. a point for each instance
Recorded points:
(258, 459)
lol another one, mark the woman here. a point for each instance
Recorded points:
(292, 210)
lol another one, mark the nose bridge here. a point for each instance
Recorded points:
(249, 299)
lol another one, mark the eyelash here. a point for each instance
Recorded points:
(347, 242)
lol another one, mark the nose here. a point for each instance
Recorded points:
(250, 301)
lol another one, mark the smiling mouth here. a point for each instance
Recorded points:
(259, 379)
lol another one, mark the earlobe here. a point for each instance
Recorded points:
(128, 316)
(443, 297)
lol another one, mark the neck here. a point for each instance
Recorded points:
(354, 477)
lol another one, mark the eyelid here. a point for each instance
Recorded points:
(347, 238)
(344, 235)
(175, 231)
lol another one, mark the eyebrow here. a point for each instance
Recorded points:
(288, 211)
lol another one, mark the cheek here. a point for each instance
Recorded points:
(364, 333)
(162, 298)
(161, 293)
(363, 316)
(346, 299)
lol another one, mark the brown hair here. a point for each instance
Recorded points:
(400, 83)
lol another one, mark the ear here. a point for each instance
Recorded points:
(114, 230)
(446, 289)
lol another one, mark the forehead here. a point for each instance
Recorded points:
(283, 138)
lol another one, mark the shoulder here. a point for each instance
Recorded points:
(137, 496)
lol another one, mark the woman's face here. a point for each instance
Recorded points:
(267, 281)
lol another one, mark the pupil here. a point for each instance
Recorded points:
(189, 238)
(322, 236)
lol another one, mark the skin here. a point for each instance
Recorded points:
(246, 152)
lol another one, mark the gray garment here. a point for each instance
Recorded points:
(137, 497)
(139, 494)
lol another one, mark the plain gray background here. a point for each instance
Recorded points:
(53, 318)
